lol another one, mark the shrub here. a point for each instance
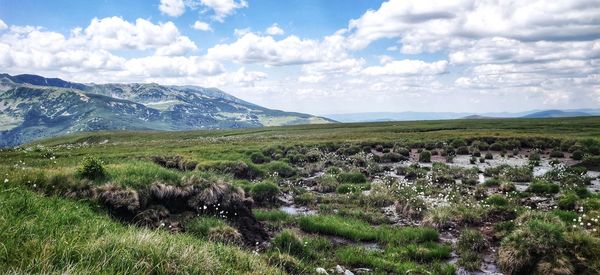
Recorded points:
(458, 143)
(92, 169)
(425, 156)
(264, 193)
(351, 177)
(403, 151)
(259, 158)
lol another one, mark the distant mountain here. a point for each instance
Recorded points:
(406, 116)
(33, 107)
(556, 113)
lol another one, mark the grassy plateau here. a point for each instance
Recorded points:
(512, 196)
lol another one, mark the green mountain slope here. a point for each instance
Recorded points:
(33, 107)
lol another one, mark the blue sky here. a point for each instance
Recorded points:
(322, 56)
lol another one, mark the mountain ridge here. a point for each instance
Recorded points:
(34, 107)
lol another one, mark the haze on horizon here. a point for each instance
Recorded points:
(322, 57)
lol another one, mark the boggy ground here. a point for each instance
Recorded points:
(508, 202)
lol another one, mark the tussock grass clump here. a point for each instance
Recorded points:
(534, 244)
(288, 242)
(541, 187)
(425, 156)
(238, 169)
(259, 158)
(176, 162)
(469, 246)
(351, 177)
(200, 226)
(265, 193)
(142, 174)
(352, 188)
(280, 169)
(272, 215)
(327, 183)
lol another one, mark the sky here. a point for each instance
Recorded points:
(322, 56)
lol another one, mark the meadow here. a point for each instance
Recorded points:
(516, 196)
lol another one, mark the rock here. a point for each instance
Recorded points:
(363, 270)
(348, 272)
(321, 270)
(339, 269)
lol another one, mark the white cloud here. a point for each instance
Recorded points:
(202, 26)
(434, 25)
(274, 30)
(223, 8)
(3, 25)
(241, 32)
(253, 48)
(247, 79)
(116, 33)
(172, 7)
(408, 67)
(92, 53)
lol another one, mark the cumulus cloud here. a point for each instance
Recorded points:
(292, 50)
(172, 7)
(93, 51)
(433, 25)
(274, 30)
(202, 26)
(3, 25)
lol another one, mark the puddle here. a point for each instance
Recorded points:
(595, 186)
(294, 210)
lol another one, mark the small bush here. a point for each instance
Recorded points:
(92, 169)
(265, 193)
(425, 156)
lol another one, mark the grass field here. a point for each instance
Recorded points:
(219, 201)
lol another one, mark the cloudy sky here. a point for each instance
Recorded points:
(322, 56)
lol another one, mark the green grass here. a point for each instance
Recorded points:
(52, 235)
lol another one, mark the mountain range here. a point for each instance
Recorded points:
(406, 116)
(34, 107)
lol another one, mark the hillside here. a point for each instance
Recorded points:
(33, 107)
